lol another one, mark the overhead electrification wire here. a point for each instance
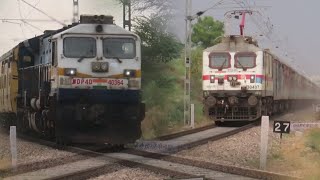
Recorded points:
(35, 5)
(54, 19)
(35, 27)
(22, 30)
(31, 25)
(267, 28)
(23, 33)
(10, 22)
(24, 19)
(264, 25)
(199, 13)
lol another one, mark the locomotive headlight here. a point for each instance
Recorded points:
(100, 66)
(70, 71)
(234, 78)
(230, 78)
(129, 73)
(212, 77)
(99, 28)
(252, 79)
(95, 66)
(104, 66)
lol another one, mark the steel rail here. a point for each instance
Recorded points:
(253, 173)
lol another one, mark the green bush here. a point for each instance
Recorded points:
(163, 93)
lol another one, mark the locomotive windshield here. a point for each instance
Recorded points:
(123, 48)
(79, 47)
(245, 60)
(219, 60)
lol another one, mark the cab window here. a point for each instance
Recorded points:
(79, 47)
(123, 48)
(219, 60)
(245, 60)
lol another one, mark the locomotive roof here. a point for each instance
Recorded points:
(86, 26)
(235, 43)
(110, 28)
(81, 28)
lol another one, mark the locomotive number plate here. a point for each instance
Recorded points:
(82, 81)
(103, 82)
(253, 87)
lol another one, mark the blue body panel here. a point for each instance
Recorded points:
(99, 96)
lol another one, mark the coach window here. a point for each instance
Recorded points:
(245, 60)
(219, 60)
(79, 47)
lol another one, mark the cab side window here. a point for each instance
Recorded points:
(54, 58)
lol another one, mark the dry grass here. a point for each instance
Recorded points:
(298, 155)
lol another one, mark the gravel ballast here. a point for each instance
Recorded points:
(243, 149)
(30, 154)
(130, 173)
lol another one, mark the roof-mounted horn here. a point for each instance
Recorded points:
(95, 19)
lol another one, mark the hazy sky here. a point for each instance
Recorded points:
(12, 33)
(295, 22)
(296, 26)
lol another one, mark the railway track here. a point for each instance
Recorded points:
(126, 158)
(185, 140)
(183, 133)
(165, 164)
(99, 160)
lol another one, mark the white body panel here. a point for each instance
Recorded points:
(84, 69)
(242, 75)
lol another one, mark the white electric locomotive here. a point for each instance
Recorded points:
(241, 81)
(81, 83)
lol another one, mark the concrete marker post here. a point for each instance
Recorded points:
(192, 116)
(264, 142)
(13, 147)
